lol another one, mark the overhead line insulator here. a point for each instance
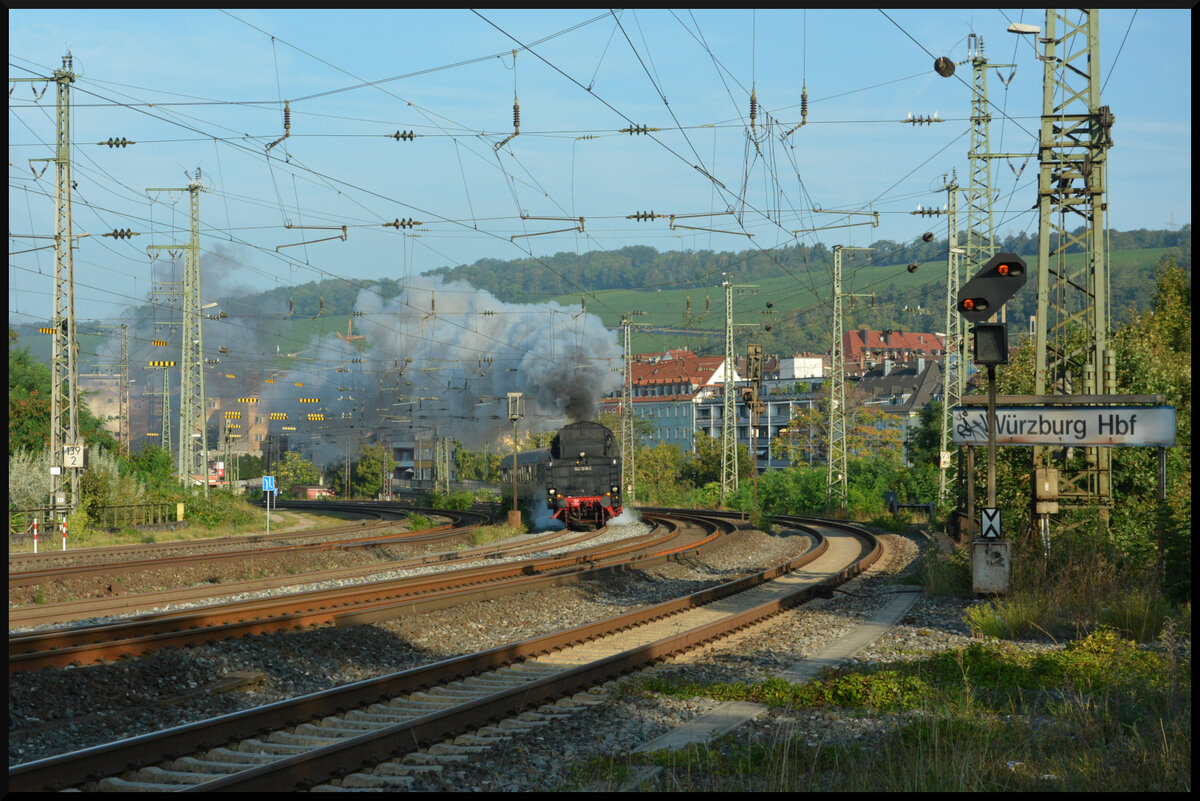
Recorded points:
(407, 136)
(122, 142)
(406, 223)
(644, 215)
(287, 125)
(122, 233)
(638, 129)
(922, 120)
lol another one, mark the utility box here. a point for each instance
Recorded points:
(991, 566)
(179, 512)
(1045, 491)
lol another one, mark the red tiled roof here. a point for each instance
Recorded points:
(855, 343)
(690, 369)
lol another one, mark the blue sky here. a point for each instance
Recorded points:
(217, 82)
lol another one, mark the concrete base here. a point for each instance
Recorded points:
(514, 520)
(991, 565)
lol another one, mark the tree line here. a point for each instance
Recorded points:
(640, 267)
(643, 267)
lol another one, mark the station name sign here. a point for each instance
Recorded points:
(1085, 426)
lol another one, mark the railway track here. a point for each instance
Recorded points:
(128, 558)
(353, 735)
(337, 606)
(53, 613)
(371, 518)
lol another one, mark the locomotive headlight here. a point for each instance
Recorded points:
(552, 491)
(614, 490)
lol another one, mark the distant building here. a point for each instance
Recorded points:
(682, 393)
(865, 350)
(901, 390)
(789, 368)
(666, 388)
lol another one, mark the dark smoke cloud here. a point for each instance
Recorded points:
(442, 357)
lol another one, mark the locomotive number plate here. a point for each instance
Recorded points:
(583, 468)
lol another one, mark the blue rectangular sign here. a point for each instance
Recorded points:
(268, 483)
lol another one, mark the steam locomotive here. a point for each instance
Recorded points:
(578, 476)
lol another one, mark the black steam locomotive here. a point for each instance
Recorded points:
(578, 476)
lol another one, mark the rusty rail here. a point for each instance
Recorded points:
(320, 764)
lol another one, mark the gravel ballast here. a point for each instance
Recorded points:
(52, 711)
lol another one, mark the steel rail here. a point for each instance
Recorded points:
(40, 559)
(340, 606)
(28, 577)
(352, 753)
(40, 614)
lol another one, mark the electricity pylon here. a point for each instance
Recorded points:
(836, 482)
(193, 429)
(64, 367)
(729, 477)
(1072, 328)
(729, 469)
(628, 476)
(980, 244)
(954, 369)
(442, 465)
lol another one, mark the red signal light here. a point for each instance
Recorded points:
(1002, 269)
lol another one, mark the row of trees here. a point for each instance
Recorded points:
(642, 267)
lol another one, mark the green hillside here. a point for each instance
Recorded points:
(787, 289)
(801, 309)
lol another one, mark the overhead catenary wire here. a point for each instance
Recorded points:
(771, 170)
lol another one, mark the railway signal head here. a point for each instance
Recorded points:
(990, 344)
(999, 280)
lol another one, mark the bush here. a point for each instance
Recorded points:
(28, 479)
(455, 501)
(221, 507)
